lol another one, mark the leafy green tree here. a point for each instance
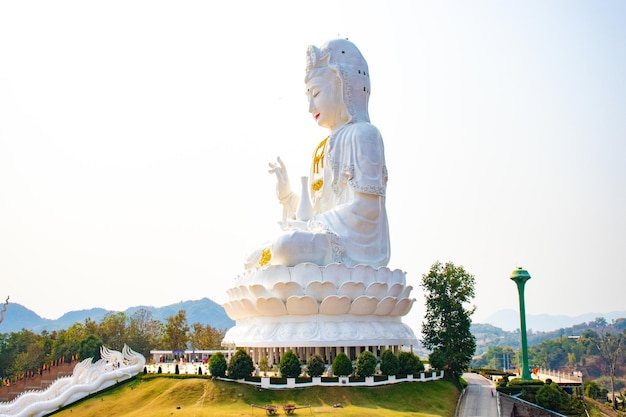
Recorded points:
(409, 364)
(32, 357)
(594, 390)
(240, 365)
(175, 331)
(113, 330)
(610, 347)
(218, 365)
(366, 363)
(289, 365)
(21, 352)
(389, 363)
(264, 365)
(204, 337)
(5, 353)
(446, 328)
(549, 396)
(144, 332)
(315, 365)
(89, 347)
(67, 342)
(342, 365)
(497, 357)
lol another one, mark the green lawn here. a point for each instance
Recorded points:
(191, 397)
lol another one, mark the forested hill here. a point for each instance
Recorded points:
(208, 312)
(204, 311)
(488, 335)
(509, 320)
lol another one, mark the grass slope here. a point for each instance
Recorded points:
(191, 397)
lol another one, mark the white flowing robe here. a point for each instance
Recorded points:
(354, 162)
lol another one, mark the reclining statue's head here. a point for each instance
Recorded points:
(337, 68)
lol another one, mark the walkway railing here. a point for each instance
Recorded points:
(560, 377)
(284, 383)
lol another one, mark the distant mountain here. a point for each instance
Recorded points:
(509, 320)
(18, 317)
(204, 311)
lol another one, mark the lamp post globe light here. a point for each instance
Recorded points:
(520, 276)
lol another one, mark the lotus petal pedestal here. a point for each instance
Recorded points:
(319, 309)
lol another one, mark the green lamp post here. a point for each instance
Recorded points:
(520, 276)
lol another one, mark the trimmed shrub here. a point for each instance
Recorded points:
(240, 365)
(315, 365)
(264, 365)
(409, 364)
(389, 363)
(365, 364)
(342, 366)
(275, 380)
(549, 396)
(218, 365)
(290, 365)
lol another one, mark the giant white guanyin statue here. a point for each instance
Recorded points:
(348, 173)
(324, 281)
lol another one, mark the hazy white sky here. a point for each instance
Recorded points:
(135, 138)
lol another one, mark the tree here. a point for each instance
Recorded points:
(143, 332)
(365, 363)
(20, 352)
(446, 328)
(67, 342)
(217, 365)
(113, 330)
(342, 366)
(89, 347)
(175, 331)
(388, 363)
(24, 352)
(594, 390)
(264, 365)
(240, 365)
(205, 337)
(409, 364)
(549, 396)
(289, 365)
(315, 365)
(498, 357)
(610, 347)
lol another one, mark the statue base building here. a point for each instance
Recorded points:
(322, 310)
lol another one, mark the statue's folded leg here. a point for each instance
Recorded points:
(297, 246)
(258, 256)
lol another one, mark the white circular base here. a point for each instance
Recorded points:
(314, 331)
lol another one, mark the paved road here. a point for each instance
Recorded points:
(478, 400)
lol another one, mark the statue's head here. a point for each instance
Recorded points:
(344, 58)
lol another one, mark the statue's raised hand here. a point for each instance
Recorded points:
(283, 188)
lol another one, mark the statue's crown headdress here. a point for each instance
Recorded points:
(344, 57)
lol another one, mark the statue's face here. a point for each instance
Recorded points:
(325, 99)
